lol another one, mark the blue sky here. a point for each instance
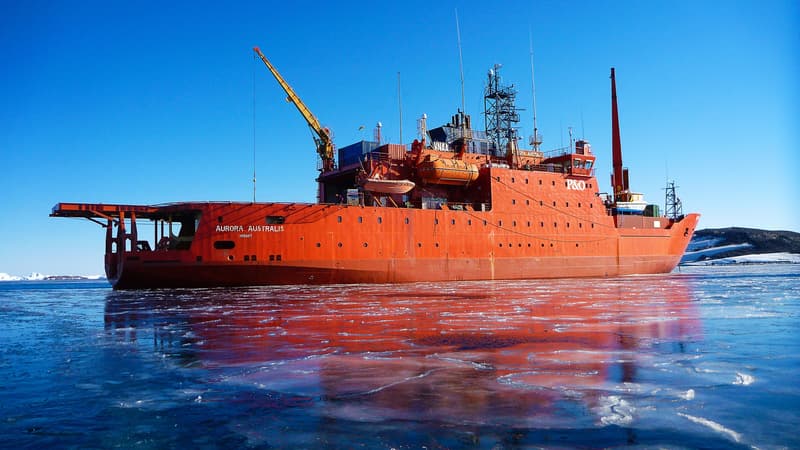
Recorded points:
(139, 102)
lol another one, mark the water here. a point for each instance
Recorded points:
(704, 358)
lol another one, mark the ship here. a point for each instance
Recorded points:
(456, 204)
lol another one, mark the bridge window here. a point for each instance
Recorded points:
(272, 220)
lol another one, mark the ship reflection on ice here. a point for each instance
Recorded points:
(545, 353)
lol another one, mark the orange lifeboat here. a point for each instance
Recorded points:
(448, 171)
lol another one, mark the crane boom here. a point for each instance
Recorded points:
(322, 135)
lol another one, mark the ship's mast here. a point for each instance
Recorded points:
(619, 179)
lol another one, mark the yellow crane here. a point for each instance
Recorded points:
(322, 135)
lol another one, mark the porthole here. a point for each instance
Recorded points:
(365, 245)
(319, 245)
(339, 244)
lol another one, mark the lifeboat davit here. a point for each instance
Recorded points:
(388, 186)
(448, 171)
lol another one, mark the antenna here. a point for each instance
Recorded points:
(254, 127)
(460, 65)
(536, 140)
(400, 106)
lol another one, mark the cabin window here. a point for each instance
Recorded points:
(540, 181)
(436, 221)
(224, 245)
(219, 219)
(272, 220)
(339, 219)
(319, 245)
(514, 223)
(452, 221)
(380, 220)
(567, 203)
(526, 181)
(360, 219)
(527, 202)
(272, 257)
(588, 165)
(469, 221)
(277, 257)
(247, 257)
(512, 179)
(406, 220)
(499, 223)
(513, 201)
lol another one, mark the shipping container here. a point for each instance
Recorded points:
(355, 153)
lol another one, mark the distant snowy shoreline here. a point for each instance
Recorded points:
(763, 258)
(35, 276)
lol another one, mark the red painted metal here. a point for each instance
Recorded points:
(619, 182)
